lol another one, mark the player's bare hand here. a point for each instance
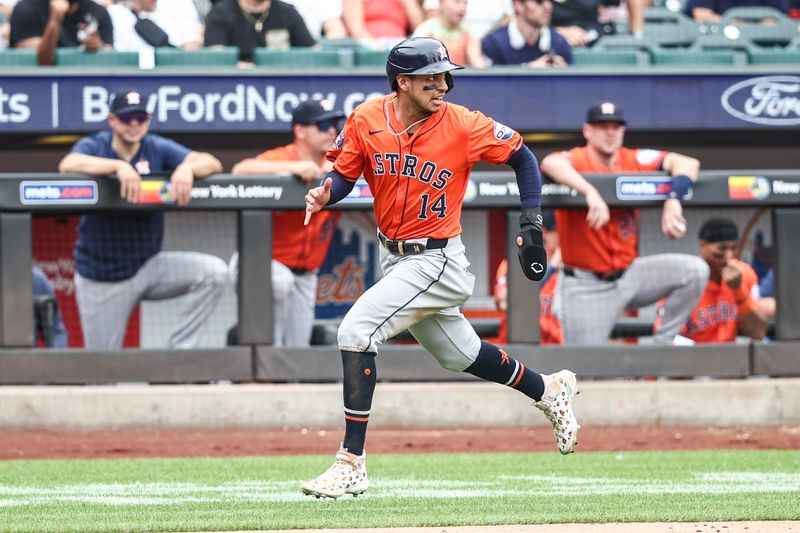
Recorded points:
(673, 225)
(181, 183)
(732, 276)
(58, 9)
(308, 171)
(317, 198)
(598, 215)
(130, 183)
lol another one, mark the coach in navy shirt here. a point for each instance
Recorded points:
(528, 38)
(118, 257)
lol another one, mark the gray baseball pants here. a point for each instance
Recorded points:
(106, 306)
(588, 307)
(420, 293)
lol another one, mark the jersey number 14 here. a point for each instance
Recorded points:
(439, 206)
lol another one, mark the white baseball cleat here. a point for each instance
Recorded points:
(347, 475)
(560, 390)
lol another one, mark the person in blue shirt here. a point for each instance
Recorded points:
(118, 256)
(47, 324)
(528, 39)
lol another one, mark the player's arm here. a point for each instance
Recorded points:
(195, 165)
(308, 171)
(531, 252)
(130, 182)
(334, 187)
(749, 314)
(684, 171)
(559, 168)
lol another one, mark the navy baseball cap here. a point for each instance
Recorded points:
(129, 101)
(313, 111)
(605, 112)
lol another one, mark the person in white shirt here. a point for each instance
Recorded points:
(482, 15)
(323, 19)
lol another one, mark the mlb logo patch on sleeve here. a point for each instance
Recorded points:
(502, 132)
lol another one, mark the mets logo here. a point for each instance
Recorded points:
(502, 132)
(339, 142)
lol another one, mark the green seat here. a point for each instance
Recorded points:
(75, 57)
(365, 57)
(774, 56)
(297, 57)
(606, 57)
(668, 28)
(18, 57)
(202, 57)
(695, 56)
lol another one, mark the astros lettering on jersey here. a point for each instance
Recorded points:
(418, 181)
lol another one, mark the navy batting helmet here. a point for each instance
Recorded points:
(419, 55)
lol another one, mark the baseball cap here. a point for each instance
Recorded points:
(605, 112)
(313, 111)
(128, 101)
(718, 230)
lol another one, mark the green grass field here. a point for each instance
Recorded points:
(407, 490)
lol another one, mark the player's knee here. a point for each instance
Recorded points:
(351, 338)
(698, 272)
(216, 273)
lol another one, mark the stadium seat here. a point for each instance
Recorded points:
(774, 56)
(624, 42)
(698, 57)
(366, 57)
(583, 57)
(763, 26)
(18, 57)
(202, 57)
(298, 57)
(668, 28)
(75, 57)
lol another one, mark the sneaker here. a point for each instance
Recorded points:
(559, 391)
(347, 475)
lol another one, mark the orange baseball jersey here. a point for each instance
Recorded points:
(418, 181)
(293, 244)
(615, 245)
(549, 325)
(714, 318)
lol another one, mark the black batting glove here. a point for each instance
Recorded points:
(532, 256)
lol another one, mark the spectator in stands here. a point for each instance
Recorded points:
(182, 22)
(48, 24)
(481, 17)
(626, 11)
(381, 24)
(48, 327)
(528, 39)
(579, 20)
(6, 8)
(712, 10)
(298, 251)
(602, 273)
(251, 24)
(323, 19)
(137, 28)
(118, 256)
(731, 299)
(448, 26)
(549, 326)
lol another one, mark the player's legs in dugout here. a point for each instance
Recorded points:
(104, 309)
(680, 278)
(587, 308)
(202, 277)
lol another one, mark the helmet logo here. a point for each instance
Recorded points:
(441, 52)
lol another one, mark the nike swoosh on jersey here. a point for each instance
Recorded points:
(373, 132)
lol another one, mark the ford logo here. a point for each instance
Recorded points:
(770, 100)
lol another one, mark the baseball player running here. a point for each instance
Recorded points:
(602, 273)
(415, 152)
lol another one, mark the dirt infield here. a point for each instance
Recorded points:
(293, 441)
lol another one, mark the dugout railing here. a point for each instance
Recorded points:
(22, 195)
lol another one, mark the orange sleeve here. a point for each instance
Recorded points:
(281, 153)
(347, 152)
(488, 140)
(649, 159)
